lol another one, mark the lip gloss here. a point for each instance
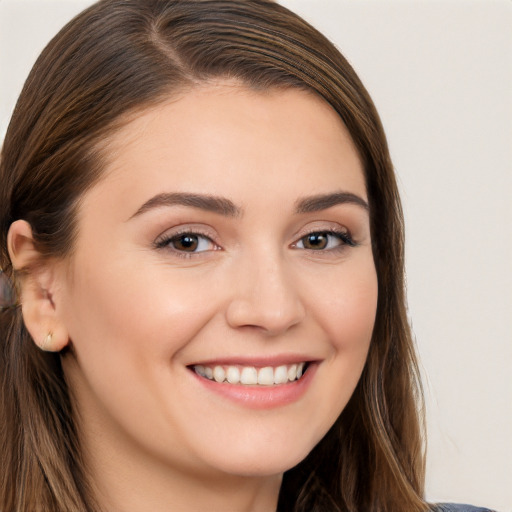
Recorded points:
(257, 396)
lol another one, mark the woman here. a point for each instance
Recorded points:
(199, 212)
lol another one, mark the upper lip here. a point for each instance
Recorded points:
(260, 361)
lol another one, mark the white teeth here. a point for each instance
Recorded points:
(219, 374)
(250, 376)
(233, 375)
(200, 370)
(266, 376)
(281, 375)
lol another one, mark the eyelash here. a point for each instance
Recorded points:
(344, 238)
(166, 242)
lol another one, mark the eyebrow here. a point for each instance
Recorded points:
(227, 208)
(324, 201)
(209, 203)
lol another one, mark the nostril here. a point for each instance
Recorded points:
(262, 315)
(264, 296)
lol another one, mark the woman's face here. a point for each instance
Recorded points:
(229, 239)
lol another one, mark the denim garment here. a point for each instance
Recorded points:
(453, 507)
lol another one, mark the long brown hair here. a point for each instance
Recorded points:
(120, 56)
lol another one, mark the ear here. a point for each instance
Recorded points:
(38, 283)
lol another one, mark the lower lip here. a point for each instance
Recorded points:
(261, 397)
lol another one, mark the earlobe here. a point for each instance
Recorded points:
(38, 286)
(53, 341)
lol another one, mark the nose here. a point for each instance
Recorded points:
(264, 296)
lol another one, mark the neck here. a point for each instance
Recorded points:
(120, 492)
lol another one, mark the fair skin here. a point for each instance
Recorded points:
(255, 252)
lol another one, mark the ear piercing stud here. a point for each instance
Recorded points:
(46, 345)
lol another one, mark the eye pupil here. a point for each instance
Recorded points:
(316, 241)
(186, 243)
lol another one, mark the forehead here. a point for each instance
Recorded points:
(217, 136)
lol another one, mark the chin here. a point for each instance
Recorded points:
(261, 463)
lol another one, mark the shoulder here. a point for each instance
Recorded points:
(454, 507)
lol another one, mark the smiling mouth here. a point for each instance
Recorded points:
(252, 376)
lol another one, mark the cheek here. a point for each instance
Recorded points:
(348, 305)
(122, 308)
(347, 315)
(126, 329)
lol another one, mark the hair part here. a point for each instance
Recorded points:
(115, 59)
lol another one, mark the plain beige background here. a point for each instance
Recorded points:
(440, 73)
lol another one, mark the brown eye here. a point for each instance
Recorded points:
(186, 242)
(325, 241)
(316, 241)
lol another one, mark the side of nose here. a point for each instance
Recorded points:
(264, 296)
